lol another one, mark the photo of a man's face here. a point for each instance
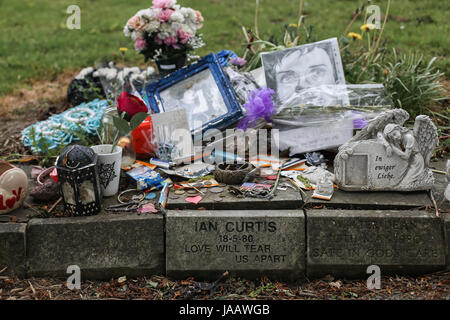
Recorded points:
(296, 73)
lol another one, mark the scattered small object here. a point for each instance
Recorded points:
(150, 196)
(250, 185)
(219, 199)
(148, 207)
(192, 191)
(179, 191)
(131, 206)
(315, 158)
(173, 196)
(232, 174)
(144, 178)
(54, 205)
(271, 177)
(48, 191)
(138, 196)
(160, 163)
(293, 162)
(194, 200)
(216, 189)
(13, 187)
(324, 189)
(162, 202)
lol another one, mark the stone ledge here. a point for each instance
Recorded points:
(377, 200)
(446, 220)
(12, 248)
(344, 243)
(283, 200)
(204, 244)
(102, 246)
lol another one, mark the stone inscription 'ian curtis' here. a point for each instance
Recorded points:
(386, 156)
(219, 241)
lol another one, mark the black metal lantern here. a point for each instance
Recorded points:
(79, 181)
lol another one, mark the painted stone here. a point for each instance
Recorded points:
(13, 187)
(386, 156)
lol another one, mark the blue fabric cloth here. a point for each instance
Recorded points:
(60, 128)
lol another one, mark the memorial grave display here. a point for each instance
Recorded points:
(202, 167)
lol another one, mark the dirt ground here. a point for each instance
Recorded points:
(429, 287)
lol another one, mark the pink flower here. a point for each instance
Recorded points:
(159, 40)
(165, 15)
(140, 44)
(162, 4)
(170, 40)
(183, 36)
(199, 16)
(237, 61)
(136, 23)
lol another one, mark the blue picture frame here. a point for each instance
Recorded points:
(234, 111)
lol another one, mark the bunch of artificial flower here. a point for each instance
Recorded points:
(165, 30)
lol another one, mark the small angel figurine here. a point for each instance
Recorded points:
(401, 141)
(398, 157)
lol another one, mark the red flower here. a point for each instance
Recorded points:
(130, 104)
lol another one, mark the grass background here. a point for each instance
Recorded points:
(35, 43)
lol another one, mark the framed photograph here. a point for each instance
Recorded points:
(296, 74)
(203, 90)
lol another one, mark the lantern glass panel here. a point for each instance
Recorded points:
(69, 193)
(87, 192)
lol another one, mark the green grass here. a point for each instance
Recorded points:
(36, 44)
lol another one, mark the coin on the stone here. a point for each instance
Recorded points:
(179, 191)
(173, 196)
(223, 185)
(218, 199)
(207, 183)
(216, 189)
(192, 191)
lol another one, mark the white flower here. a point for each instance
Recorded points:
(177, 17)
(186, 28)
(137, 34)
(152, 26)
(126, 31)
(166, 31)
(189, 13)
(146, 13)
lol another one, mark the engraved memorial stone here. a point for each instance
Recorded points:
(246, 243)
(386, 156)
(345, 242)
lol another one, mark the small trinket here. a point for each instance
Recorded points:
(150, 196)
(216, 189)
(194, 200)
(179, 191)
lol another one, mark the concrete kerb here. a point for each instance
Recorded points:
(108, 246)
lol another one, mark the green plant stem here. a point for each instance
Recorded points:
(116, 138)
(256, 18)
(384, 24)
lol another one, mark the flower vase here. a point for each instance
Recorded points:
(109, 165)
(109, 132)
(171, 64)
(128, 152)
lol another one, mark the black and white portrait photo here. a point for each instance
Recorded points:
(297, 74)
